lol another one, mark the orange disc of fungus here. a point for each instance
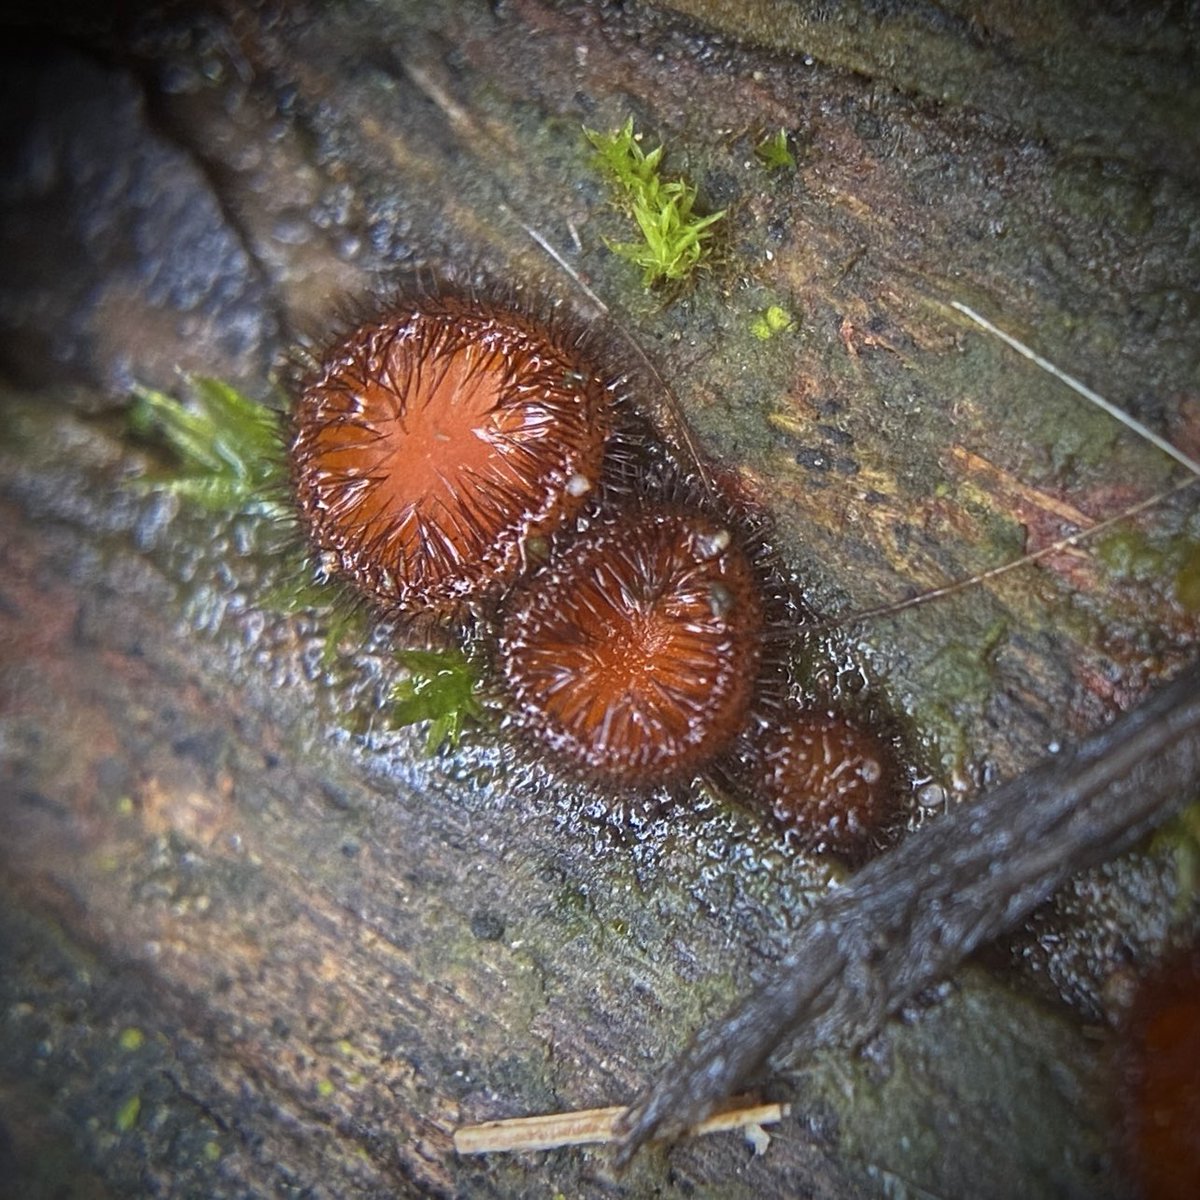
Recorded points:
(829, 781)
(430, 446)
(632, 656)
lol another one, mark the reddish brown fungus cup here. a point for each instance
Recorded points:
(431, 445)
(830, 782)
(1162, 1087)
(632, 655)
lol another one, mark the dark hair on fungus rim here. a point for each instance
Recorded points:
(632, 655)
(432, 444)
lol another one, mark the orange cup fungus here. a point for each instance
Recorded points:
(432, 445)
(441, 451)
(632, 655)
(1162, 1101)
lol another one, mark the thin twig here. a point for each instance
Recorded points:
(1065, 543)
(1082, 389)
(970, 581)
(589, 1126)
(679, 429)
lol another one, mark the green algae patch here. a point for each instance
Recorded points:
(1171, 563)
(1187, 578)
(131, 1039)
(127, 1114)
(1180, 838)
(1131, 556)
(954, 684)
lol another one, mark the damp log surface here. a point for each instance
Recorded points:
(255, 944)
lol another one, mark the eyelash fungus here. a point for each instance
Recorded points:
(432, 446)
(829, 781)
(629, 633)
(456, 457)
(632, 655)
(1162, 1084)
(867, 947)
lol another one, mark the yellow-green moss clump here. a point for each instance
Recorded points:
(675, 238)
(774, 152)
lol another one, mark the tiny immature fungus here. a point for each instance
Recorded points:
(632, 655)
(830, 782)
(432, 445)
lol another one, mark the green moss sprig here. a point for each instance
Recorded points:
(442, 688)
(775, 319)
(774, 152)
(230, 449)
(675, 238)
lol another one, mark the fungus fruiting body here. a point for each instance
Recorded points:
(441, 458)
(829, 781)
(1163, 1099)
(632, 655)
(432, 445)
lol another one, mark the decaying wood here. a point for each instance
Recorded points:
(914, 914)
(253, 942)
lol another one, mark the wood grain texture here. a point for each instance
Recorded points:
(336, 949)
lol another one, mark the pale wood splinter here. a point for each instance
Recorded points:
(592, 1125)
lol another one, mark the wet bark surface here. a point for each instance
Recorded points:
(254, 942)
(911, 916)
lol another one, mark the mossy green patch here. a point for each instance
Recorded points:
(442, 688)
(230, 449)
(774, 152)
(127, 1114)
(775, 319)
(131, 1038)
(675, 237)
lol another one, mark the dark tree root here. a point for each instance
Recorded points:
(910, 916)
